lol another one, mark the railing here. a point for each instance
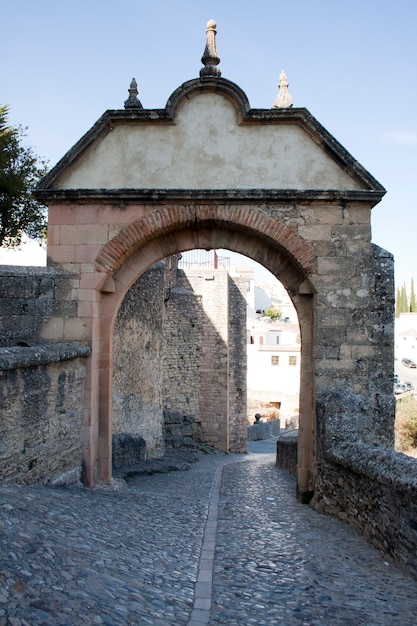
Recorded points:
(204, 259)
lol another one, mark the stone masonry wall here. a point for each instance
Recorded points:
(237, 364)
(212, 286)
(355, 329)
(373, 489)
(180, 361)
(183, 332)
(137, 363)
(360, 478)
(41, 399)
(29, 298)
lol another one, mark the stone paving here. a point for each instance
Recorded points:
(222, 543)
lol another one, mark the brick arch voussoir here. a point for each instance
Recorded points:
(170, 218)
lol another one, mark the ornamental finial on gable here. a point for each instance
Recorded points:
(133, 101)
(283, 99)
(210, 58)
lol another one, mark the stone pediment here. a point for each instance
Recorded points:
(207, 138)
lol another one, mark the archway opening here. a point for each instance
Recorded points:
(190, 317)
(127, 274)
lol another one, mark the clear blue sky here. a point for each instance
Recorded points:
(351, 63)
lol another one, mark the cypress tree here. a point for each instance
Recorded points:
(398, 303)
(413, 306)
(404, 301)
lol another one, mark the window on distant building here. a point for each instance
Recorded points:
(261, 341)
(252, 339)
(277, 339)
(292, 360)
(274, 360)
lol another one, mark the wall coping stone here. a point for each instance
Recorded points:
(380, 463)
(263, 430)
(40, 354)
(31, 270)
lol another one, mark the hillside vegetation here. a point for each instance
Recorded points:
(406, 426)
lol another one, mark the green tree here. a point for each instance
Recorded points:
(20, 171)
(398, 302)
(413, 305)
(401, 303)
(404, 300)
(273, 313)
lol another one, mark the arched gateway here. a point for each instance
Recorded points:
(207, 171)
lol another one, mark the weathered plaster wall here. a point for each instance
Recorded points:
(41, 400)
(206, 148)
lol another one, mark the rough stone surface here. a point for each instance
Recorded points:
(237, 363)
(263, 430)
(40, 354)
(212, 287)
(41, 414)
(287, 452)
(180, 359)
(354, 399)
(373, 489)
(179, 429)
(30, 297)
(136, 553)
(127, 450)
(138, 362)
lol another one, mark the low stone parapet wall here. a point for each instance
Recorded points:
(263, 430)
(41, 400)
(374, 489)
(287, 445)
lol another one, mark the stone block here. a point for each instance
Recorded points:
(127, 449)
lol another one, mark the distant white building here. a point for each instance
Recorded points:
(273, 363)
(273, 352)
(274, 294)
(406, 336)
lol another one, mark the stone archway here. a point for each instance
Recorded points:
(207, 171)
(247, 241)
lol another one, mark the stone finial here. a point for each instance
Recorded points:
(210, 58)
(133, 101)
(283, 99)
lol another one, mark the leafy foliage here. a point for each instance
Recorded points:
(273, 313)
(20, 171)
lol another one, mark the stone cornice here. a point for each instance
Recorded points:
(218, 196)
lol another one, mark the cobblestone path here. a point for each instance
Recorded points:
(223, 543)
